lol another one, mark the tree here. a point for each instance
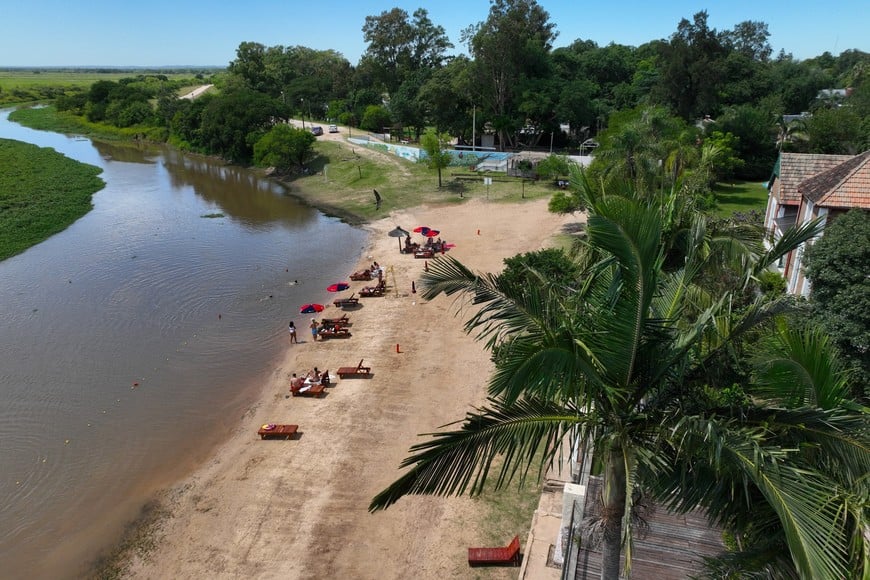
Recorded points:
(554, 166)
(446, 96)
(837, 267)
(376, 118)
(284, 146)
(835, 131)
(234, 121)
(750, 38)
(507, 50)
(635, 362)
(434, 146)
(692, 68)
(756, 146)
(523, 271)
(399, 47)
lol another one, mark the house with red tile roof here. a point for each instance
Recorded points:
(806, 186)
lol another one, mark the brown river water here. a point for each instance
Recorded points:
(132, 343)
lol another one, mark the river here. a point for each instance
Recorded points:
(132, 342)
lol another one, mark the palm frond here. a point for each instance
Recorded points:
(806, 502)
(802, 371)
(790, 240)
(455, 462)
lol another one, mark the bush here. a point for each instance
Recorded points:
(376, 118)
(771, 283)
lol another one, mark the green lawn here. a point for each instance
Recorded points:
(742, 196)
(343, 179)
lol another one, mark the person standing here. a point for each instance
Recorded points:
(313, 327)
(292, 329)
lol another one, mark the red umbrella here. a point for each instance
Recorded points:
(433, 233)
(338, 287)
(309, 308)
(422, 230)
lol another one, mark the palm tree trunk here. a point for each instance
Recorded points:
(613, 499)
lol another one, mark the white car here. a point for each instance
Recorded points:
(333, 128)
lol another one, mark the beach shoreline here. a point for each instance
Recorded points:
(298, 508)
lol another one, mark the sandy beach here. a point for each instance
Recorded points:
(298, 508)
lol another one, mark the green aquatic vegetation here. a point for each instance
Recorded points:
(41, 193)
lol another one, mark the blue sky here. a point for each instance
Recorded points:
(184, 32)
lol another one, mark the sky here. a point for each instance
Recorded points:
(162, 33)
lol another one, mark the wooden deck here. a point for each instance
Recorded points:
(673, 549)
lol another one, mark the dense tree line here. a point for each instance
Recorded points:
(520, 88)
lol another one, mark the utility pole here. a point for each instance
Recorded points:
(473, 126)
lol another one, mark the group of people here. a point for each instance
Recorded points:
(312, 377)
(413, 247)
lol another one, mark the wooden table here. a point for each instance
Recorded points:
(286, 431)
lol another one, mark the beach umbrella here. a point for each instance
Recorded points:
(338, 287)
(433, 233)
(398, 232)
(422, 230)
(309, 308)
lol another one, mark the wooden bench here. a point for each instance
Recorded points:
(357, 371)
(352, 300)
(342, 320)
(307, 390)
(334, 332)
(507, 556)
(361, 275)
(377, 290)
(272, 430)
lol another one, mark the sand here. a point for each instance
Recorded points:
(298, 508)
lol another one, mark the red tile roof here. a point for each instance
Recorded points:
(795, 168)
(845, 186)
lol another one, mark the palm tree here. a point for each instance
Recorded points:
(624, 361)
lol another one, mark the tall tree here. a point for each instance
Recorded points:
(234, 121)
(692, 68)
(399, 46)
(509, 50)
(625, 361)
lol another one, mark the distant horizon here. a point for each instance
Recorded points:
(63, 32)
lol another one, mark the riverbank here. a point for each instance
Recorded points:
(298, 508)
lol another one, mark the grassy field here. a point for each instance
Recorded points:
(41, 193)
(22, 86)
(742, 196)
(344, 177)
(23, 78)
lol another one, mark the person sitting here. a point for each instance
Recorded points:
(316, 378)
(295, 382)
(324, 378)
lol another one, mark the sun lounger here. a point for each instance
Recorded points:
(377, 290)
(334, 332)
(351, 300)
(314, 390)
(272, 430)
(425, 253)
(357, 371)
(361, 275)
(342, 320)
(507, 556)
